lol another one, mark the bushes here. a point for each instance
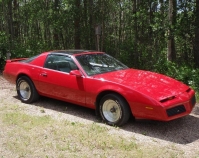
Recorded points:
(183, 73)
(3, 45)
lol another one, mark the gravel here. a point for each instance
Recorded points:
(182, 133)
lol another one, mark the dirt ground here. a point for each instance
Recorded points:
(182, 133)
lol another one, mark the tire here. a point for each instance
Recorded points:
(114, 110)
(26, 90)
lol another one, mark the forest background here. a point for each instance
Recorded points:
(156, 35)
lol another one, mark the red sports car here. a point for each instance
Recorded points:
(98, 81)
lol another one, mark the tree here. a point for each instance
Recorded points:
(171, 55)
(77, 24)
(142, 33)
(196, 40)
(56, 29)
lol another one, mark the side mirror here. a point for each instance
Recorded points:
(76, 73)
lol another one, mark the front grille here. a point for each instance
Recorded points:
(175, 110)
(193, 100)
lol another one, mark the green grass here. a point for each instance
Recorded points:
(24, 135)
(28, 134)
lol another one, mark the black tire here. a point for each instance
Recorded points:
(26, 90)
(114, 110)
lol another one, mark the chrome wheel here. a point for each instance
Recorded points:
(114, 109)
(24, 90)
(111, 110)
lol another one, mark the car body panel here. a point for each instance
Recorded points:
(149, 95)
(63, 86)
(148, 83)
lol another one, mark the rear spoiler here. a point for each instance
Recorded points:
(14, 60)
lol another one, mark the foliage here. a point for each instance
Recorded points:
(143, 34)
(183, 73)
(3, 45)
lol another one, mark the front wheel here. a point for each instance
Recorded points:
(114, 110)
(26, 90)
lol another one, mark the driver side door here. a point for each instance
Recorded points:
(57, 82)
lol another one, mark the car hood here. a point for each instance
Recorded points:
(152, 84)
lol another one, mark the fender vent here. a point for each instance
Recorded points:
(175, 110)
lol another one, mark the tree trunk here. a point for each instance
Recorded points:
(46, 23)
(56, 29)
(10, 27)
(77, 24)
(134, 55)
(15, 21)
(91, 25)
(171, 54)
(2, 15)
(196, 41)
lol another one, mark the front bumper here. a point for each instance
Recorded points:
(181, 109)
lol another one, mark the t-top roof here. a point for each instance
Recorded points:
(72, 51)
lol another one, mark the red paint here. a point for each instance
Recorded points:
(144, 91)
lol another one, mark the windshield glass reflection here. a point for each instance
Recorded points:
(99, 63)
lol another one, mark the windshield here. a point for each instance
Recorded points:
(99, 63)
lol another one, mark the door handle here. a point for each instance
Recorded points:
(43, 74)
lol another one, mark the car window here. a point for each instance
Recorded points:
(99, 63)
(29, 59)
(60, 62)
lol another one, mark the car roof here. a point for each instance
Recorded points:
(73, 51)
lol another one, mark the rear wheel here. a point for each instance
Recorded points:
(26, 90)
(114, 110)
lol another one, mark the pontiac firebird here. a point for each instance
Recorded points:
(96, 80)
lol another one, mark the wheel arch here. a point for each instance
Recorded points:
(26, 75)
(105, 92)
(31, 88)
(22, 74)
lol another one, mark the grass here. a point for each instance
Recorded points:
(43, 136)
(49, 137)
(24, 135)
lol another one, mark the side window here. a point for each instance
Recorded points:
(60, 62)
(51, 62)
